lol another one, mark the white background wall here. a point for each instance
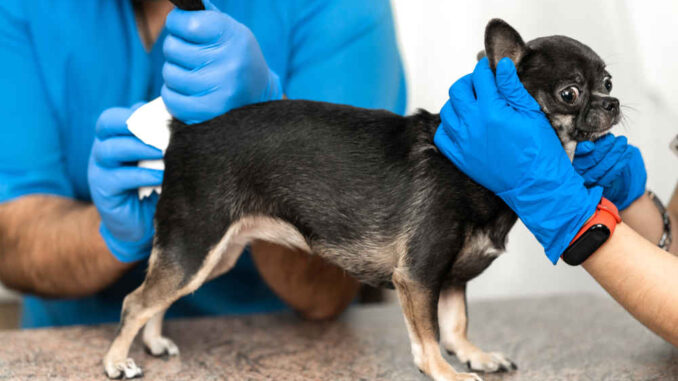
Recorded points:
(440, 38)
(638, 39)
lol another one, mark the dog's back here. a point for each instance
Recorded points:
(360, 186)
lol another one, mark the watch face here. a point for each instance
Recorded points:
(587, 244)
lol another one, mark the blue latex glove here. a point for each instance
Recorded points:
(495, 132)
(615, 165)
(213, 64)
(126, 222)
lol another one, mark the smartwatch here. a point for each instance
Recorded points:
(593, 234)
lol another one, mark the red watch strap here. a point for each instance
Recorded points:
(606, 214)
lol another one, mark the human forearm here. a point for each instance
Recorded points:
(314, 288)
(51, 246)
(644, 217)
(641, 277)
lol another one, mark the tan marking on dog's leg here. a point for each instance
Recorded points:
(134, 316)
(453, 321)
(156, 344)
(159, 290)
(418, 306)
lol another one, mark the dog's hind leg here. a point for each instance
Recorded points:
(453, 320)
(166, 281)
(419, 304)
(159, 289)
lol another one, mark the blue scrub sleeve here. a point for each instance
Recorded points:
(346, 52)
(31, 159)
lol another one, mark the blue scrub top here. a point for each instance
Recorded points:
(63, 62)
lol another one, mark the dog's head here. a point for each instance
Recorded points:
(567, 78)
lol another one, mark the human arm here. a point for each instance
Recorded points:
(50, 246)
(641, 277)
(644, 217)
(43, 238)
(46, 238)
(500, 111)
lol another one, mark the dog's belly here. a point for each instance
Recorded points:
(370, 263)
(367, 261)
(476, 255)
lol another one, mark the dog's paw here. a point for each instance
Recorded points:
(160, 346)
(123, 369)
(488, 362)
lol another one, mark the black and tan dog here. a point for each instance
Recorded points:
(364, 189)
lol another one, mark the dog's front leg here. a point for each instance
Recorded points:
(453, 320)
(419, 306)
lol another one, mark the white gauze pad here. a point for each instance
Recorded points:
(150, 123)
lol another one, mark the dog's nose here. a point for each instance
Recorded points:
(611, 104)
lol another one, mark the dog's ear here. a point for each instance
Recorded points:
(501, 40)
(481, 54)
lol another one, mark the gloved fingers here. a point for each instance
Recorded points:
(609, 159)
(601, 148)
(613, 173)
(189, 82)
(113, 122)
(119, 150)
(199, 110)
(186, 54)
(124, 179)
(450, 118)
(446, 143)
(584, 148)
(509, 85)
(462, 96)
(485, 86)
(201, 27)
(636, 158)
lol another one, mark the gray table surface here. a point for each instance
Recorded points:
(578, 337)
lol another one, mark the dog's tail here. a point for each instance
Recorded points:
(189, 5)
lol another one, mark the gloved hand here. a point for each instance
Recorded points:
(494, 131)
(126, 222)
(213, 64)
(615, 165)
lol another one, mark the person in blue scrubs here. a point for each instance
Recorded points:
(73, 236)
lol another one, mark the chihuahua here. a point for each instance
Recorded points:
(364, 189)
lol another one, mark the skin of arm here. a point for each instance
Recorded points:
(51, 246)
(643, 217)
(641, 277)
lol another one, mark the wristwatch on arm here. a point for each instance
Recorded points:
(593, 234)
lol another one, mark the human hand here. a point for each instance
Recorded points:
(494, 131)
(126, 221)
(613, 164)
(213, 64)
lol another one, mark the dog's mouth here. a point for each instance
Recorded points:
(594, 126)
(581, 135)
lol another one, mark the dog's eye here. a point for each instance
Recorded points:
(608, 84)
(570, 94)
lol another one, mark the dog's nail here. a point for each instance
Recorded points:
(468, 365)
(513, 365)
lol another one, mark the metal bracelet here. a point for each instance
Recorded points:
(665, 240)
